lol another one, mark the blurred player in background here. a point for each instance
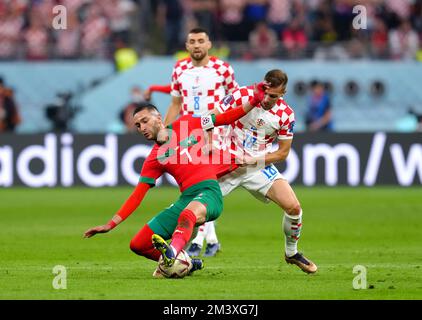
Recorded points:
(250, 139)
(319, 115)
(198, 84)
(9, 113)
(180, 150)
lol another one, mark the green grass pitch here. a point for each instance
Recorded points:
(378, 228)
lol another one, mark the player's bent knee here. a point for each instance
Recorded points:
(141, 244)
(294, 210)
(136, 247)
(141, 248)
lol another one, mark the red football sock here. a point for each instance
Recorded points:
(141, 244)
(184, 229)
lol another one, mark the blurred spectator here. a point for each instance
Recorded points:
(323, 28)
(404, 42)
(169, 19)
(379, 39)
(205, 12)
(318, 116)
(94, 33)
(43, 10)
(279, 14)
(124, 57)
(400, 7)
(294, 39)
(220, 50)
(126, 116)
(343, 19)
(263, 41)
(355, 47)
(391, 18)
(419, 53)
(231, 20)
(11, 22)
(416, 17)
(94, 26)
(255, 11)
(298, 10)
(73, 6)
(68, 40)
(119, 14)
(9, 114)
(36, 38)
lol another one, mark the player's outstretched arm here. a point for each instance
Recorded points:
(156, 88)
(125, 211)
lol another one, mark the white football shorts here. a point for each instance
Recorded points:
(256, 181)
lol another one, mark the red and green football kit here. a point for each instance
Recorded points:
(196, 170)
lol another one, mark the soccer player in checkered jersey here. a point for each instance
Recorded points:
(251, 139)
(198, 84)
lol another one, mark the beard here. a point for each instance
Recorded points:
(198, 56)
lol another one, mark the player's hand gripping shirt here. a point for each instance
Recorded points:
(202, 88)
(254, 133)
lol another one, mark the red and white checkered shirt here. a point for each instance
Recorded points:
(255, 132)
(202, 88)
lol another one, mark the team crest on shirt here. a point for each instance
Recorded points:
(260, 122)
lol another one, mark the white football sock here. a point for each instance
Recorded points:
(210, 234)
(292, 225)
(199, 239)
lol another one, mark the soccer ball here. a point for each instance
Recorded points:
(180, 268)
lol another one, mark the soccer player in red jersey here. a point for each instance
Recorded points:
(179, 151)
(198, 83)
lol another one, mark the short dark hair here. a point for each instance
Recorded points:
(276, 78)
(144, 105)
(314, 83)
(199, 30)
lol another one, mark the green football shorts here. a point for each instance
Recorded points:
(207, 192)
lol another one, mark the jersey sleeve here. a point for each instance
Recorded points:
(229, 82)
(287, 123)
(151, 170)
(239, 97)
(175, 84)
(227, 103)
